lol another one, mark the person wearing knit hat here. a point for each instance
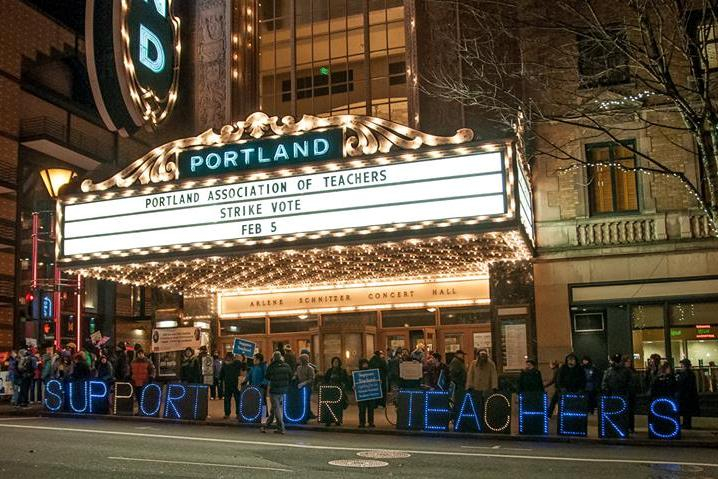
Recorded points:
(278, 375)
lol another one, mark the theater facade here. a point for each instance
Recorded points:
(339, 235)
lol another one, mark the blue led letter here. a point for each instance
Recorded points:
(666, 410)
(93, 387)
(242, 401)
(72, 390)
(146, 37)
(54, 397)
(468, 401)
(538, 428)
(572, 421)
(410, 393)
(612, 412)
(444, 411)
(304, 399)
(170, 399)
(158, 398)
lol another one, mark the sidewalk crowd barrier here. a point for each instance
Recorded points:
(417, 409)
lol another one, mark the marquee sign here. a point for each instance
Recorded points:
(133, 56)
(351, 201)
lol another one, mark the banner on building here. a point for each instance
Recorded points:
(175, 339)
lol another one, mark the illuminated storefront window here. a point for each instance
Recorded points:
(333, 57)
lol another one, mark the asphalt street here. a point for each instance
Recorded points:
(88, 448)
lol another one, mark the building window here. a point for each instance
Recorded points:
(708, 41)
(612, 189)
(338, 56)
(648, 332)
(601, 60)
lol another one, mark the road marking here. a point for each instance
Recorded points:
(210, 464)
(19, 418)
(383, 454)
(358, 463)
(357, 449)
(497, 447)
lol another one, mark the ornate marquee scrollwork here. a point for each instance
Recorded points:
(364, 135)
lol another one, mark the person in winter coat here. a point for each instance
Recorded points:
(278, 375)
(482, 375)
(366, 408)
(653, 366)
(336, 375)
(14, 377)
(392, 369)
(617, 380)
(143, 371)
(229, 378)
(216, 390)
(554, 396)
(25, 371)
(289, 357)
(80, 369)
(377, 361)
(632, 393)
(530, 378)
(105, 372)
(571, 378)
(593, 382)
(190, 369)
(457, 376)
(664, 384)
(122, 362)
(687, 392)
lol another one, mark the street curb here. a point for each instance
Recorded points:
(701, 443)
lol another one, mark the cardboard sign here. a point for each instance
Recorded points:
(367, 384)
(613, 416)
(175, 339)
(410, 370)
(5, 384)
(243, 346)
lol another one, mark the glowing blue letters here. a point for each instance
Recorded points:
(156, 64)
(526, 415)
(663, 419)
(161, 7)
(572, 420)
(612, 410)
(468, 400)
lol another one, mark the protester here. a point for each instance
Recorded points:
(457, 377)
(571, 378)
(618, 380)
(632, 393)
(278, 375)
(80, 369)
(366, 407)
(105, 371)
(377, 361)
(14, 377)
(392, 369)
(216, 389)
(190, 369)
(687, 392)
(593, 382)
(664, 383)
(482, 375)
(206, 365)
(24, 374)
(143, 371)
(228, 378)
(304, 376)
(289, 357)
(652, 371)
(336, 375)
(418, 353)
(122, 362)
(530, 378)
(554, 396)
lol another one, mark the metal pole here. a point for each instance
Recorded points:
(78, 310)
(35, 233)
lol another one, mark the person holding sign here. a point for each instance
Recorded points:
(367, 406)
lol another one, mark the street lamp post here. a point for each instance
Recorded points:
(54, 179)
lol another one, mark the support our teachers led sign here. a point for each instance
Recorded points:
(133, 57)
(417, 410)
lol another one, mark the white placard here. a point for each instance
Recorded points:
(175, 339)
(466, 186)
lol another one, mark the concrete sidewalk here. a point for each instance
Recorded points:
(704, 433)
